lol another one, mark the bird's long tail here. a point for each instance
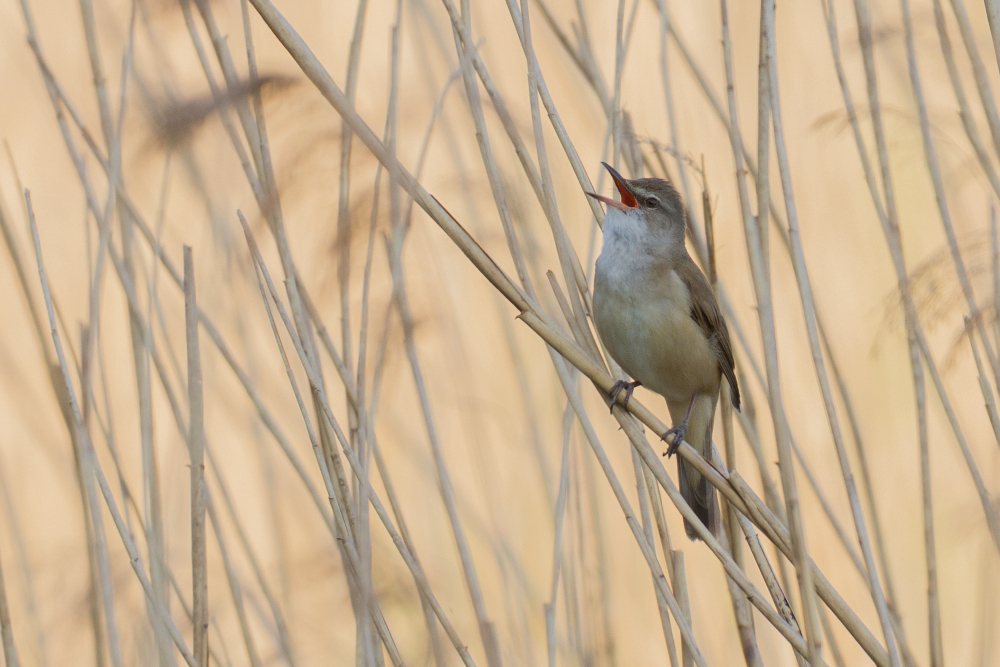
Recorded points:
(701, 496)
(696, 489)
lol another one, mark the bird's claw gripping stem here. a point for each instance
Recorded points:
(674, 437)
(678, 432)
(620, 386)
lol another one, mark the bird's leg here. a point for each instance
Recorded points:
(678, 432)
(628, 388)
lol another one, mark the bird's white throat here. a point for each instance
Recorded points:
(626, 252)
(619, 224)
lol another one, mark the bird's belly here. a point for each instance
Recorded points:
(656, 342)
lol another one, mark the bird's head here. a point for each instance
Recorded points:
(652, 202)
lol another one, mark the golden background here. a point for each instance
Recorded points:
(499, 417)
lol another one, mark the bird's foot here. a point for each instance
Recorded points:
(674, 437)
(620, 386)
(678, 432)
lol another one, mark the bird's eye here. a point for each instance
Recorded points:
(652, 202)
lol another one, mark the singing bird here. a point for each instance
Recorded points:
(658, 317)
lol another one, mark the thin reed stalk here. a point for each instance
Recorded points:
(808, 306)
(94, 467)
(196, 412)
(6, 628)
(349, 454)
(766, 317)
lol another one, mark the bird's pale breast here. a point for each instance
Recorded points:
(642, 312)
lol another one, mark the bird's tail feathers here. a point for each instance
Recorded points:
(697, 491)
(701, 496)
(695, 487)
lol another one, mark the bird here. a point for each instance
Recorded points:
(659, 320)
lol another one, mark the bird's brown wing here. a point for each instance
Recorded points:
(706, 313)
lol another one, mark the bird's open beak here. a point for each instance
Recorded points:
(628, 199)
(608, 201)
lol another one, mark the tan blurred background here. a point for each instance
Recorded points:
(479, 404)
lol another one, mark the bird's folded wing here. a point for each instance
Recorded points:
(706, 313)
